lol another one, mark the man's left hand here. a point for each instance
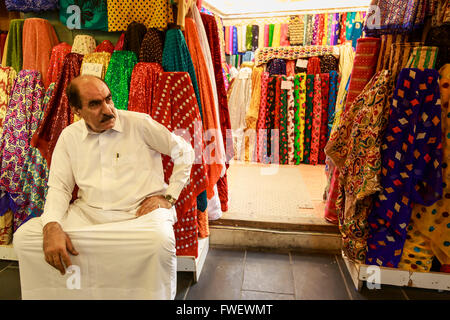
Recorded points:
(152, 203)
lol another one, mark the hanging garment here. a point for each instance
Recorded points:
(325, 82)
(308, 117)
(59, 53)
(411, 164)
(49, 129)
(328, 63)
(316, 120)
(152, 13)
(334, 76)
(313, 65)
(277, 67)
(364, 67)
(83, 44)
(120, 42)
(300, 109)
(429, 232)
(143, 83)
(93, 14)
(423, 58)
(105, 46)
(296, 30)
(14, 53)
(7, 78)
(255, 37)
(118, 77)
(133, 37)
(38, 40)
(102, 58)
(31, 5)
(21, 121)
(355, 149)
(261, 134)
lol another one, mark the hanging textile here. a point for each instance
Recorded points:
(152, 13)
(59, 53)
(276, 41)
(300, 110)
(255, 37)
(174, 106)
(411, 164)
(334, 76)
(7, 78)
(308, 117)
(284, 31)
(20, 123)
(133, 37)
(316, 120)
(182, 11)
(315, 31)
(335, 30)
(291, 121)
(251, 116)
(271, 32)
(119, 44)
(235, 41)
(290, 68)
(277, 66)
(325, 82)
(241, 39)
(422, 58)
(283, 121)
(342, 25)
(296, 30)
(143, 83)
(264, 55)
(83, 44)
(320, 29)
(227, 41)
(313, 65)
(308, 33)
(93, 14)
(38, 40)
(105, 46)
(102, 58)
(261, 133)
(49, 129)
(364, 66)
(428, 232)
(328, 63)
(385, 55)
(14, 55)
(3, 37)
(118, 77)
(31, 6)
(266, 35)
(355, 146)
(249, 38)
(270, 146)
(399, 56)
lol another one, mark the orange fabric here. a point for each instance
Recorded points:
(207, 100)
(203, 224)
(38, 40)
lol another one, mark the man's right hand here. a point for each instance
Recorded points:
(57, 246)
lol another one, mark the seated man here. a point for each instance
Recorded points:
(118, 235)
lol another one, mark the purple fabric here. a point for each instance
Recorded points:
(276, 66)
(31, 5)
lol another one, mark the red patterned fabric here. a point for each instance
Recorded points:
(175, 106)
(120, 43)
(260, 126)
(143, 85)
(313, 65)
(290, 68)
(59, 53)
(325, 77)
(105, 46)
(57, 115)
(317, 120)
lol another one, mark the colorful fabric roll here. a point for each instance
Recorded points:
(277, 66)
(7, 78)
(58, 108)
(284, 35)
(359, 136)
(296, 30)
(364, 66)
(325, 82)
(59, 53)
(334, 76)
(328, 63)
(235, 40)
(300, 110)
(83, 44)
(270, 148)
(120, 42)
(283, 120)
(266, 35)
(144, 79)
(118, 77)
(227, 40)
(276, 41)
(255, 37)
(261, 133)
(316, 120)
(291, 121)
(399, 56)
(342, 26)
(385, 55)
(251, 118)
(94, 14)
(249, 38)
(31, 6)
(133, 37)
(411, 164)
(271, 32)
(14, 53)
(423, 58)
(102, 58)
(152, 46)
(315, 30)
(105, 46)
(308, 117)
(308, 32)
(313, 65)
(290, 68)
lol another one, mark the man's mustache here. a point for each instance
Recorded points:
(107, 117)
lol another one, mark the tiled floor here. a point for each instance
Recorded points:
(253, 275)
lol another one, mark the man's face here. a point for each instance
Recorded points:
(98, 109)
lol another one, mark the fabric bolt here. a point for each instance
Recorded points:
(283, 122)
(120, 42)
(357, 33)
(270, 147)
(152, 13)
(105, 46)
(266, 35)
(328, 63)
(325, 29)
(31, 6)
(240, 39)
(399, 57)
(276, 40)
(342, 24)
(58, 114)
(330, 32)
(118, 77)
(284, 35)
(429, 232)
(316, 120)
(364, 67)
(255, 37)
(299, 118)
(227, 40)
(277, 67)
(411, 164)
(358, 137)
(335, 30)
(134, 35)
(309, 117)
(102, 58)
(387, 40)
(59, 53)
(38, 40)
(7, 78)
(251, 116)
(325, 82)
(249, 38)
(291, 121)
(320, 29)
(271, 33)
(315, 30)
(290, 68)
(261, 133)
(93, 14)
(350, 25)
(83, 44)
(334, 76)
(308, 29)
(14, 49)
(235, 41)
(313, 65)
(296, 30)
(423, 58)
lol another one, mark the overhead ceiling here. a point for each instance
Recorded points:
(236, 7)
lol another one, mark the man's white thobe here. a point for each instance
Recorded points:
(120, 256)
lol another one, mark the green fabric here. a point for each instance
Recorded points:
(94, 15)
(271, 28)
(284, 136)
(299, 120)
(118, 76)
(249, 37)
(308, 117)
(14, 56)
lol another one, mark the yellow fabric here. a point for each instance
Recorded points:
(251, 117)
(5, 49)
(183, 9)
(432, 224)
(325, 32)
(6, 228)
(83, 44)
(276, 35)
(98, 57)
(151, 13)
(7, 78)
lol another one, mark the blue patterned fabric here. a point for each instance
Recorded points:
(31, 5)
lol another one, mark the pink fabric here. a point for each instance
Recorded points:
(317, 120)
(284, 41)
(266, 35)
